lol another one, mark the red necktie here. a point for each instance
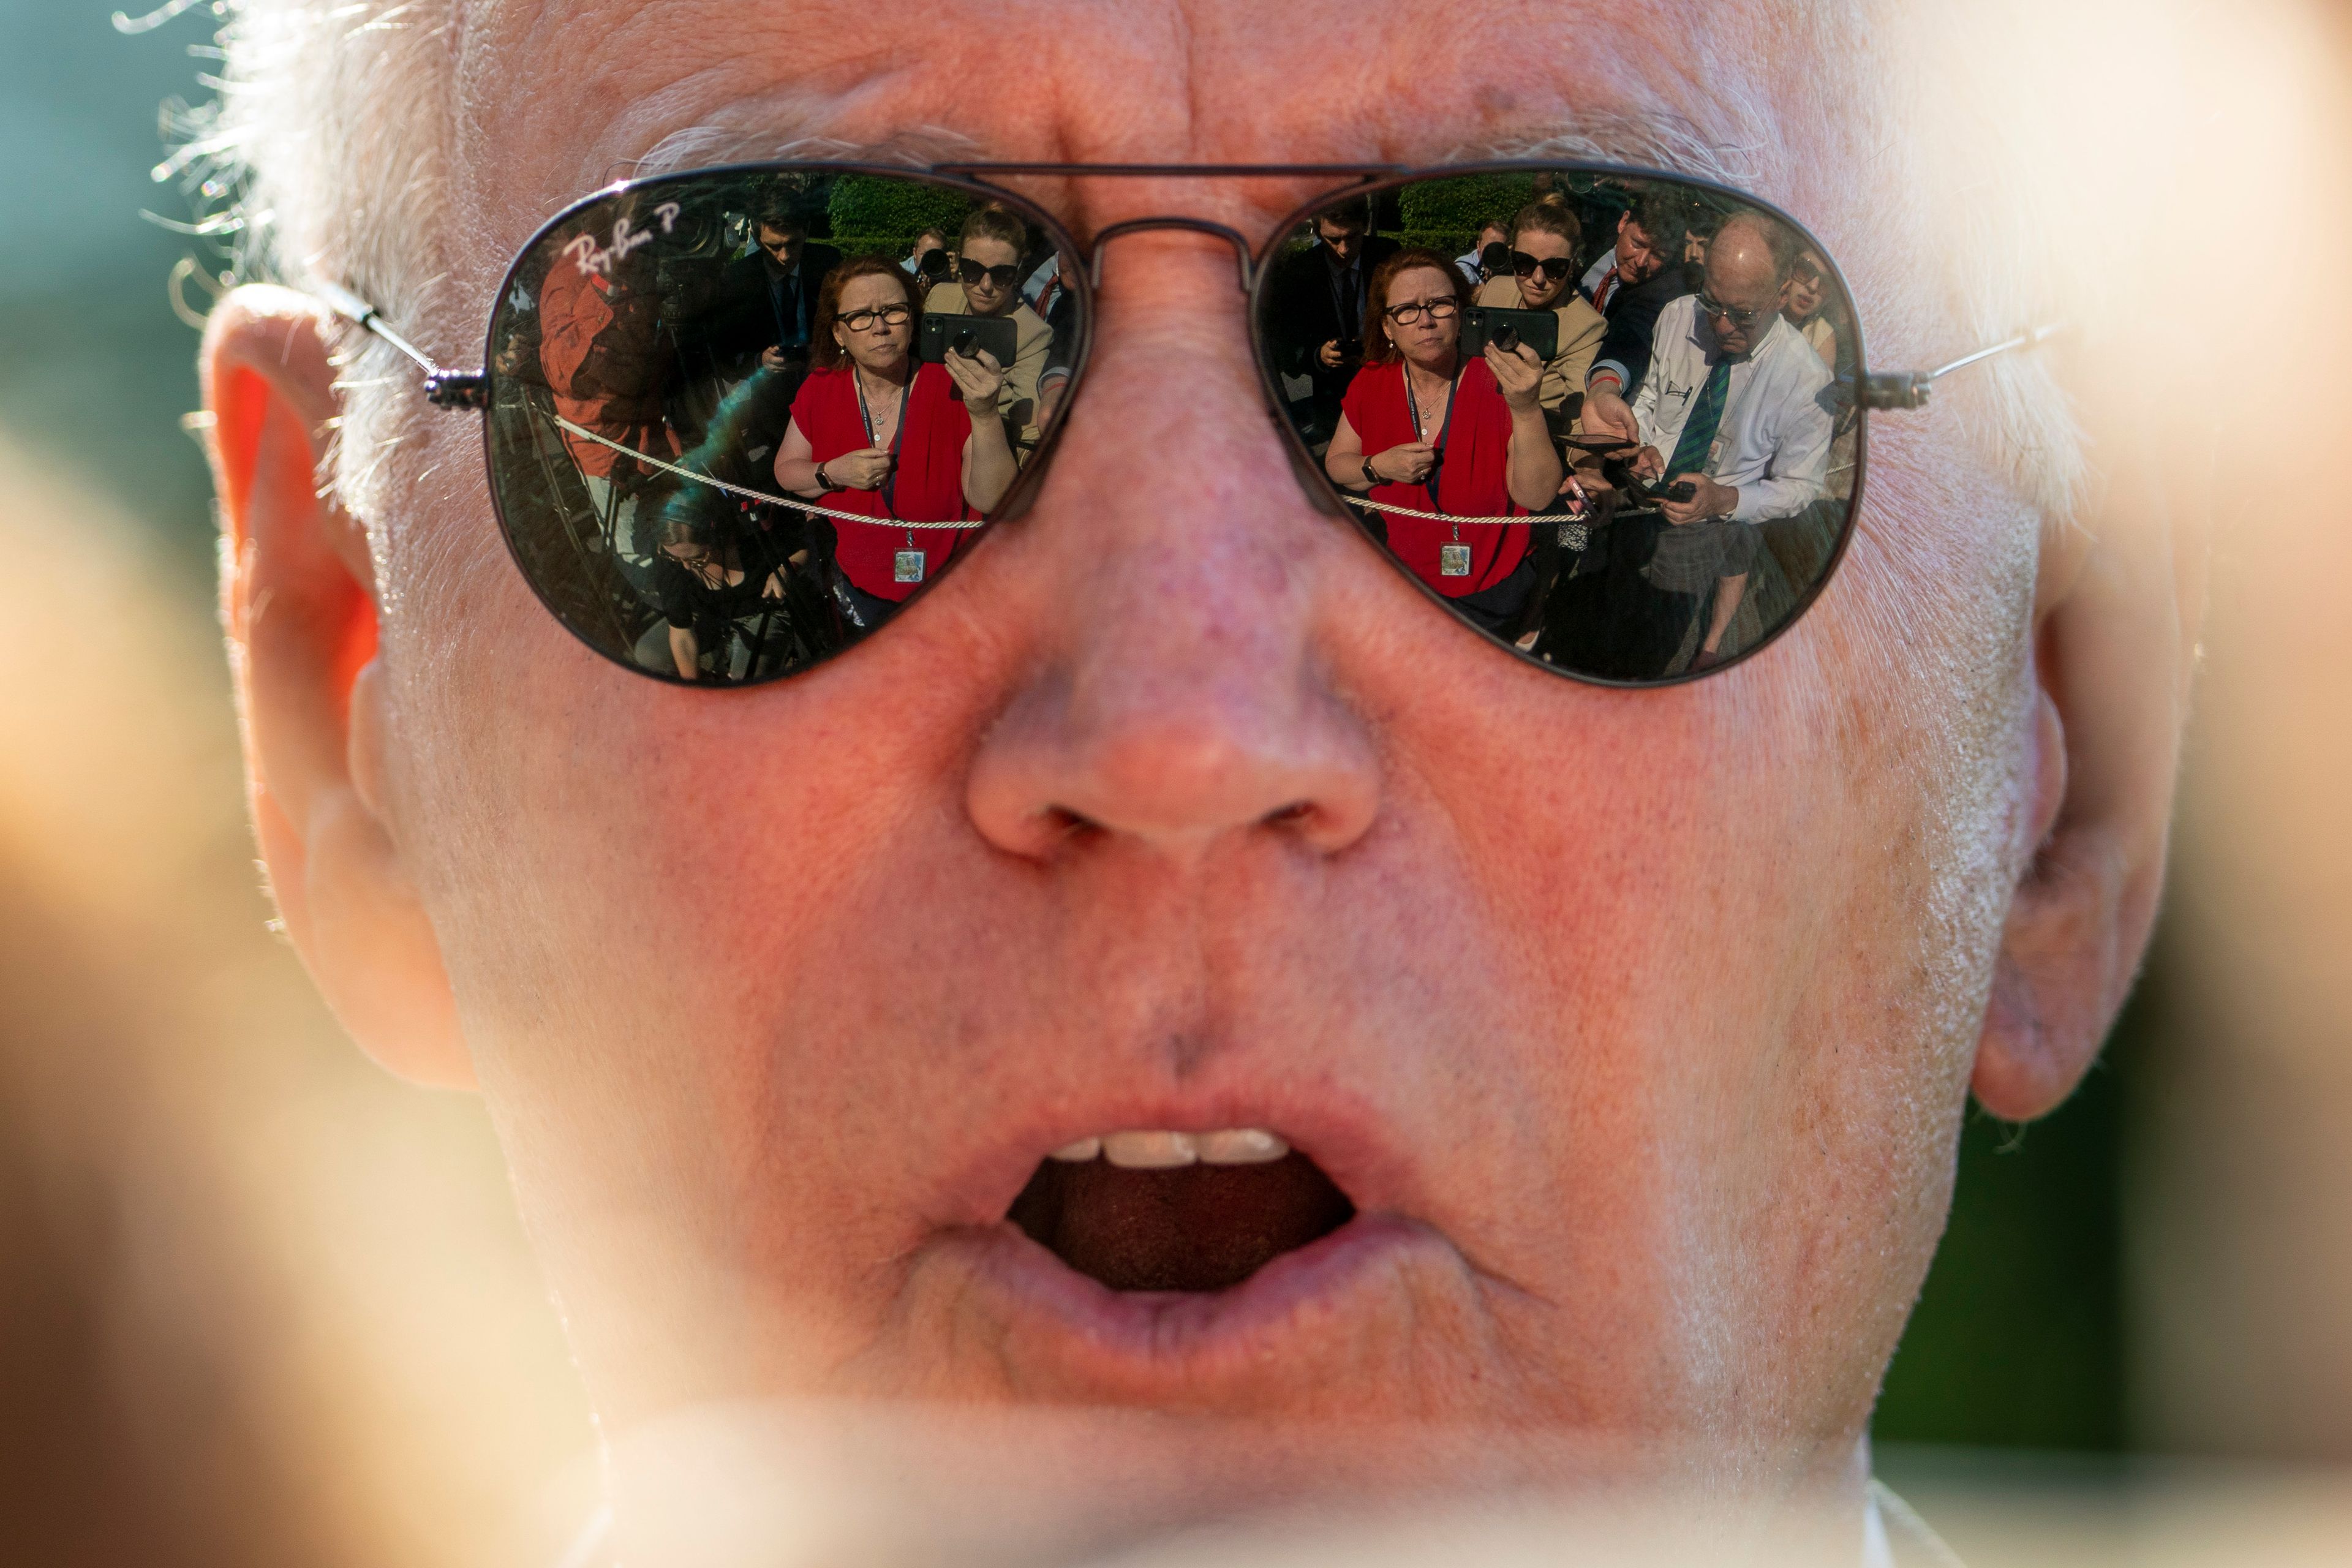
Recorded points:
(1608, 287)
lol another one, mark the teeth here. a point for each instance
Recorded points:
(1159, 1151)
(1148, 1150)
(1240, 1146)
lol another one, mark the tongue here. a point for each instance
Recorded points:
(1201, 1227)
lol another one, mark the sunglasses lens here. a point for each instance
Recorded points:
(703, 471)
(1670, 519)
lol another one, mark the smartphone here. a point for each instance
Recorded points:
(968, 335)
(1539, 330)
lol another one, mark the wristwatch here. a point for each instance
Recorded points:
(1371, 479)
(827, 485)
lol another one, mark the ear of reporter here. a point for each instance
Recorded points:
(300, 607)
(2115, 616)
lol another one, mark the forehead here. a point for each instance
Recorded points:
(556, 111)
(1416, 281)
(871, 289)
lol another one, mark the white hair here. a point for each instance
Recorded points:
(328, 154)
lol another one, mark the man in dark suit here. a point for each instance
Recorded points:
(1646, 274)
(766, 305)
(1315, 319)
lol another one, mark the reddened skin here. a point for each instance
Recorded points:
(300, 604)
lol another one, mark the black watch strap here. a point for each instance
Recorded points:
(1371, 479)
(825, 483)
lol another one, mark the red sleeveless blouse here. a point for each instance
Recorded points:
(926, 487)
(1473, 476)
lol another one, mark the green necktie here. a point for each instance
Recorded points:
(1705, 414)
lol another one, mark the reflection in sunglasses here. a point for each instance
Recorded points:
(1698, 508)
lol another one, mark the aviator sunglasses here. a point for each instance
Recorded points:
(710, 483)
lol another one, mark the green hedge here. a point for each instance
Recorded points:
(893, 246)
(876, 213)
(1460, 205)
(1447, 242)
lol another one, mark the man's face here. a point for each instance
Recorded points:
(1344, 237)
(1630, 1026)
(985, 294)
(1639, 260)
(782, 245)
(1742, 295)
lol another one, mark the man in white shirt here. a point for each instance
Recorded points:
(1734, 404)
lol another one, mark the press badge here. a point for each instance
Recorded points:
(908, 566)
(1454, 560)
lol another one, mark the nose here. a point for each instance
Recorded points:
(1181, 700)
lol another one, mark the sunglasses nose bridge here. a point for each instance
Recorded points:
(1233, 238)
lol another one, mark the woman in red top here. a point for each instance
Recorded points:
(1420, 428)
(874, 432)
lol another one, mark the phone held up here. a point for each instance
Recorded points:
(969, 336)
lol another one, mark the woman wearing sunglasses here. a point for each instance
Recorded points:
(1802, 302)
(1545, 236)
(987, 282)
(873, 432)
(1425, 432)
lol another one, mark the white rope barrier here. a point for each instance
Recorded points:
(794, 501)
(811, 506)
(1370, 505)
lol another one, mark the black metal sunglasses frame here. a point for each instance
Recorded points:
(1884, 391)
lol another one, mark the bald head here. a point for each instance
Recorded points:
(1746, 265)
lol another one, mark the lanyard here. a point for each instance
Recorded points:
(1446, 428)
(866, 416)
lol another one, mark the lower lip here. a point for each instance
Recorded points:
(1057, 1325)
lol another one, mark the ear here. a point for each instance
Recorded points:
(2110, 663)
(298, 600)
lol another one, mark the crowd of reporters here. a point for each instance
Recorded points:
(1674, 435)
(1693, 380)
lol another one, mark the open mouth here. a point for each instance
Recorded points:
(1178, 1211)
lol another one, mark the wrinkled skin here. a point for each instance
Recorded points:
(1639, 1024)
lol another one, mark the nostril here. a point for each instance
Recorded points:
(1068, 824)
(1286, 816)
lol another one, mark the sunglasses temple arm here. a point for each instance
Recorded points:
(1910, 388)
(443, 388)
